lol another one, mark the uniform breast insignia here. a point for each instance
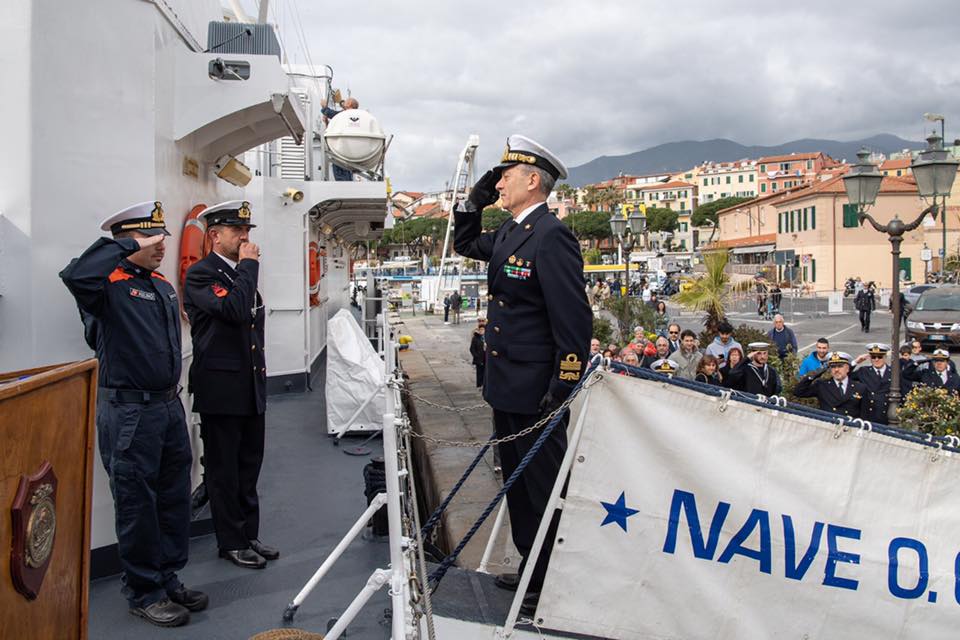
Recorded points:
(570, 367)
(527, 226)
(512, 259)
(34, 530)
(517, 272)
(143, 295)
(519, 262)
(219, 291)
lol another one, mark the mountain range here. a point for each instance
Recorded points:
(673, 157)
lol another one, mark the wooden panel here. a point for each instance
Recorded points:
(48, 414)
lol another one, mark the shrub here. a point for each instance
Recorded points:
(931, 410)
(628, 313)
(602, 330)
(591, 256)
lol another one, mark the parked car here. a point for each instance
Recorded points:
(935, 319)
(912, 294)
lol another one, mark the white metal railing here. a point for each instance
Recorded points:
(401, 574)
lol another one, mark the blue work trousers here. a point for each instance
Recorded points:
(146, 452)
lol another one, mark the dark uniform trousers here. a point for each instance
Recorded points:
(228, 381)
(131, 319)
(537, 338)
(146, 452)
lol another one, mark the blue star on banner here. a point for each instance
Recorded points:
(617, 512)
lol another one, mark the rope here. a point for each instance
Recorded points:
(554, 418)
(438, 512)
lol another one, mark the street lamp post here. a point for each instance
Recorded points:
(626, 230)
(934, 173)
(936, 117)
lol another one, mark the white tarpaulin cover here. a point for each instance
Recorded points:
(685, 521)
(354, 377)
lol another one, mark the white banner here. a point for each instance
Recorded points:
(685, 521)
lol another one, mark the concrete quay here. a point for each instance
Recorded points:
(439, 369)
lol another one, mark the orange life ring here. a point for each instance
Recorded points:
(313, 259)
(193, 242)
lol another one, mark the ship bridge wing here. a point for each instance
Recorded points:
(250, 103)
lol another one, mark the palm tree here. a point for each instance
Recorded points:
(711, 293)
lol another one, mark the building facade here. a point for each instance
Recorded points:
(776, 173)
(716, 180)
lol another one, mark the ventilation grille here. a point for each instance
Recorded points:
(230, 37)
(293, 156)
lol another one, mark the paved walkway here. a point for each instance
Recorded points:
(438, 364)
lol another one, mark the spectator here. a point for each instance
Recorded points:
(608, 354)
(775, 297)
(446, 309)
(340, 174)
(783, 337)
(594, 347)
(589, 291)
(761, 298)
(816, 360)
(673, 335)
(722, 343)
(663, 348)
(687, 356)
(707, 370)
(614, 351)
(865, 302)
(661, 318)
(616, 287)
(630, 357)
(456, 303)
(639, 341)
(653, 301)
(905, 307)
(646, 295)
(478, 350)
(730, 368)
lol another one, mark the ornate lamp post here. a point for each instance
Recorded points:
(934, 172)
(626, 230)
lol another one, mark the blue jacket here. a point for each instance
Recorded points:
(809, 364)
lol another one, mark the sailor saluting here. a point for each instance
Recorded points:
(840, 393)
(756, 376)
(538, 328)
(131, 318)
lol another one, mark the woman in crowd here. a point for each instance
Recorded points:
(707, 370)
(734, 360)
(639, 341)
(661, 319)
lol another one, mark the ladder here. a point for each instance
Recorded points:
(451, 266)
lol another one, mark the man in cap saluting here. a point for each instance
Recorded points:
(131, 318)
(228, 378)
(538, 329)
(839, 394)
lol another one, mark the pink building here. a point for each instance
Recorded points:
(776, 173)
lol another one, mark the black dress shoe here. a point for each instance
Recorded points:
(507, 581)
(266, 551)
(190, 598)
(530, 602)
(163, 613)
(246, 558)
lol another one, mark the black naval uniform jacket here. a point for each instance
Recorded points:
(878, 391)
(131, 317)
(538, 321)
(930, 377)
(750, 378)
(852, 403)
(228, 375)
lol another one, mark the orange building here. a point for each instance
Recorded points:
(776, 173)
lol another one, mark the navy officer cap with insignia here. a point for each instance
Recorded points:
(877, 349)
(522, 150)
(940, 354)
(838, 358)
(230, 213)
(664, 365)
(145, 217)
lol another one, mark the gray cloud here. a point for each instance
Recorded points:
(606, 78)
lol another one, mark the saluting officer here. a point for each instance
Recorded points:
(132, 319)
(940, 375)
(876, 379)
(538, 329)
(755, 375)
(228, 378)
(840, 394)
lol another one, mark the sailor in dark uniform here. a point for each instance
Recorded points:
(839, 394)
(228, 378)
(756, 376)
(538, 328)
(876, 377)
(131, 317)
(939, 375)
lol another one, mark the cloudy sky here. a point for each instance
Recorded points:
(606, 78)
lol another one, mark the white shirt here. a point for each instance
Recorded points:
(943, 375)
(528, 211)
(233, 265)
(842, 385)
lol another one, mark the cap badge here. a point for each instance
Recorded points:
(244, 211)
(157, 214)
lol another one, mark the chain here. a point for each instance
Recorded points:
(472, 444)
(472, 407)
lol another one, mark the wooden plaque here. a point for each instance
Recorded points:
(46, 474)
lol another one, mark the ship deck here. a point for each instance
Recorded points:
(310, 495)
